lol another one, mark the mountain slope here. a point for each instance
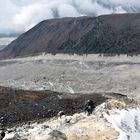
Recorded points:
(18, 106)
(115, 119)
(104, 34)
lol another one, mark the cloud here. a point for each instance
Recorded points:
(19, 16)
(87, 7)
(67, 10)
(30, 15)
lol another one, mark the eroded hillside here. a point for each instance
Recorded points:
(115, 34)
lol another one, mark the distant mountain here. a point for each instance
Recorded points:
(2, 47)
(115, 34)
(9, 35)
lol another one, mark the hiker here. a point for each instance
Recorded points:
(89, 107)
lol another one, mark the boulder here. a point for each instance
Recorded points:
(56, 135)
(12, 137)
(76, 117)
(61, 113)
(2, 134)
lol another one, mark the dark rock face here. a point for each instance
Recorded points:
(17, 106)
(115, 34)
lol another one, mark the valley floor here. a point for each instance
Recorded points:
(73, 73)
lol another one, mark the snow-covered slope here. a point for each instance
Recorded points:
(113, 120)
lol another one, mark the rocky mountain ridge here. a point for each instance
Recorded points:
(115, 119)
(113, 34)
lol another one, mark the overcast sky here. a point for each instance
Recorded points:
(21, 15)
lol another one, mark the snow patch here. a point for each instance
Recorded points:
(126, 122)
(70, 90)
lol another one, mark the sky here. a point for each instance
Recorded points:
(17, 16)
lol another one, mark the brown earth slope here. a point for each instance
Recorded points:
(17, 106)
(117, 34)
